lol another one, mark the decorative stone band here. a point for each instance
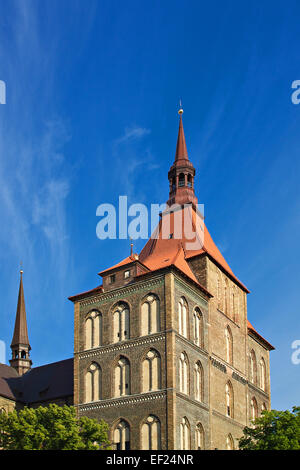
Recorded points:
(128, 400)
(122, 292)
(123, 345)
(191, 400)
(228, 370)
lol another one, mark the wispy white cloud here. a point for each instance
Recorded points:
(132, 133)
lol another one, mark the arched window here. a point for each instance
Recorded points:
(262, 374)
(263, 407)
(93, 330)
(183, 373)
(121, 323)
(122, 377)
(253, 409)
(253, 368)
(173, 187)
(150, 317)
(198, 327)
(151, 372)
(183, 317)
(198, 381)
(226, 297)
(233, 305)
(181, 180)
(122, 436)
(199, 437)
(189, 181)
(229, 400)
(229, 442)
(93, 390)
(219, 291)
(185, 434)
(151, 434)
(237, 308)
(229, 345)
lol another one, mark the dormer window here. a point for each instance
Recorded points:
(112, 278)
(126, 274)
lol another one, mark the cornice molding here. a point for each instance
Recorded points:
(121, 292)
(128, 400)
(124, 345)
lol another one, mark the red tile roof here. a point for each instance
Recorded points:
(253, 330)
(124, 262)
(160, 249)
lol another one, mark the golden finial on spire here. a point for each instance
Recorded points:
(180, 111)
(21, 268)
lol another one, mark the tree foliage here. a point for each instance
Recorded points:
(51, 428)
(274, 430)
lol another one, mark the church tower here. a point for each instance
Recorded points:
(163, 349)
(20, 346)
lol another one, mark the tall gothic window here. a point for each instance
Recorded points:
(150, 317)
(93, 383)
(121, 323)
(122, 377)
(262, 374)
(198, 381)
(183, 373)
(229, 345)
(122, 436)
(151, 371)
(229, 442)
(226, 297)
(183, 317)
(93, 330)
(199, 437)
(229, 400)
(151, 434)
(219, 291)
(253, 367)
(253, 409)
(198, 327)
(263, 407)
(185, 434)
(233, 305)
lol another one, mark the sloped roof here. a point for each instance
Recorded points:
(86, 293)
(128, 260)
(8, 377)
(43, 383)
(253, 330)
(187, 228)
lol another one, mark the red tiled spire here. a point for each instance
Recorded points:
(20, 332)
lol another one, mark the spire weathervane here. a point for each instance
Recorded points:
(180, 111)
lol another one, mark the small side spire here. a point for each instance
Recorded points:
(20, 346)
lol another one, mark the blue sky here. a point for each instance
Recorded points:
(91, 113)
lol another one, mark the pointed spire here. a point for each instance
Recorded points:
(182, 172)
(20, 332)
(181, 150)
